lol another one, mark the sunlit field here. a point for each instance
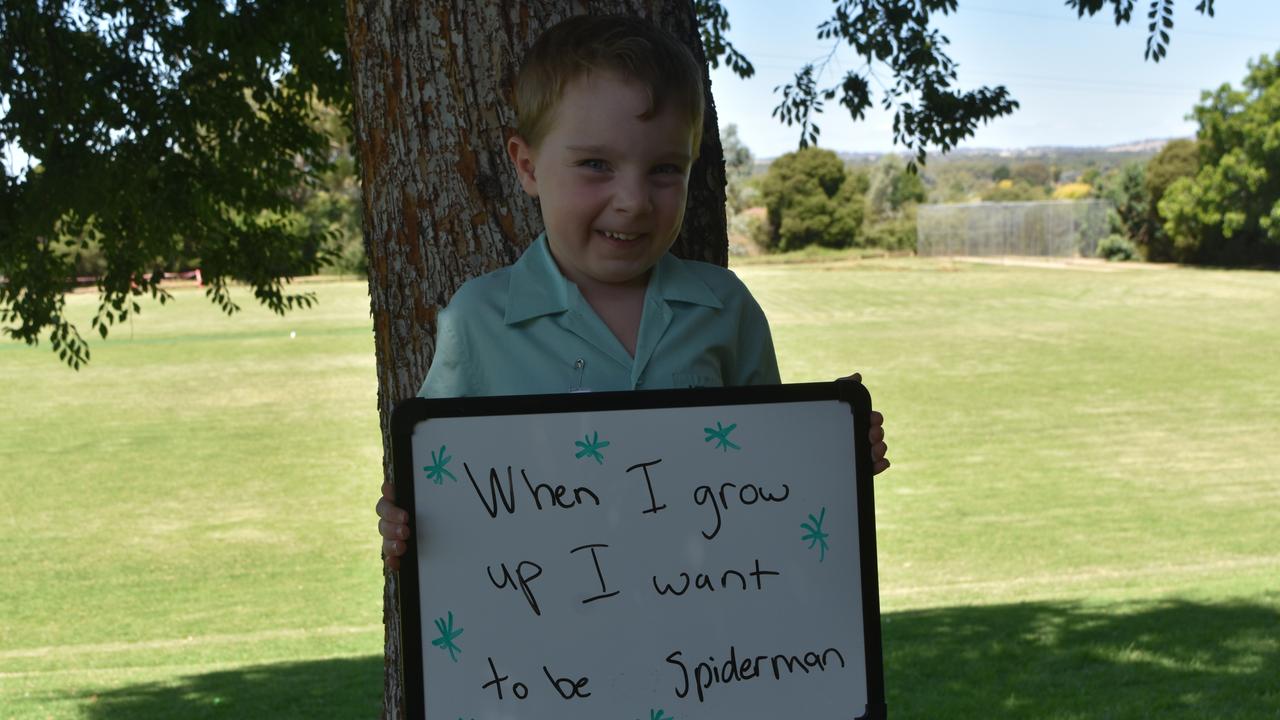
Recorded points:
(1082, 519)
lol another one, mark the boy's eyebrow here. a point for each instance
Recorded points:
(676, 157)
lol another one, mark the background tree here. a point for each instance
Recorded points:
(891, 188)
(1177, 159)
(892, 195)
(739, 164)
(811, 198)
(1035, 174)
(1131, 213)
(330, 206)
(1013, 191)
(1229, 213)
(157, 129)
(1135, 190)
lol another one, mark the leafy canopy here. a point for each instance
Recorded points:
(1229, 211)
(157, 129)
(812, 199)
(930, 112)
(1159, 19)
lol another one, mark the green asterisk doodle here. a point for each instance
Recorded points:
(816, 536)
(721, 436)
(447, 635)
(659, 715)
(591, 447)
(436, 471)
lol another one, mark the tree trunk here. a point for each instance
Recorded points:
(432, 86)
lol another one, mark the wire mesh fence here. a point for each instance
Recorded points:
(1053, 229)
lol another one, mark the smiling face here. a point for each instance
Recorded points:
(611, 182)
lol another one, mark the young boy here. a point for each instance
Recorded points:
(609, 123)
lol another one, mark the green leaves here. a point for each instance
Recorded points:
(1159, 19)
(713, 21)
(930, 112)
(161, 136)
(812, 198)
(1225, 212)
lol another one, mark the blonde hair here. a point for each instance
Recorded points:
(630, 47)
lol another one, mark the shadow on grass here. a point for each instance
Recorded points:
(1061, 661)
(337, 688)
(1042, 661)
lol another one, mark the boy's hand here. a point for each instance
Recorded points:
(879, 463)
(393, 525)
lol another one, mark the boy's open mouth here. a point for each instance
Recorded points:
(619, 236)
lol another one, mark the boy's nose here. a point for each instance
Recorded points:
(632, 197)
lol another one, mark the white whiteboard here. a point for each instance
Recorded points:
(640, 563)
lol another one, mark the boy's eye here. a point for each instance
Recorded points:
(594, 164)
(669, 169)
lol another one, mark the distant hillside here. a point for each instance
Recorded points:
(972, 174)
(1064, 156)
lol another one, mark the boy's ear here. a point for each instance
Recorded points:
(522, 158)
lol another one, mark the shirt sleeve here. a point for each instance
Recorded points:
(452, 372)
(757, 363)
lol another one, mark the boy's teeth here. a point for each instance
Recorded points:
(620, 236)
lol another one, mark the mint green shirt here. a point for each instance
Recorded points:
(525, 329)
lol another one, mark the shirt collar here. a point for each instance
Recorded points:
(538, 287)
(672, 280)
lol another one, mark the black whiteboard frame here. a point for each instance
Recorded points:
(409, 413)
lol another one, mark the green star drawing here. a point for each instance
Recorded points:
(447, 634)
(816, 536)
(591, 447)
(436, 471)
(658, 715)
(721, 436)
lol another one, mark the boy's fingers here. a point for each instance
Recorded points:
(881, 466)
(388, 511)
(876, 419)
(392, 527)
(876, 434)
(393, 531)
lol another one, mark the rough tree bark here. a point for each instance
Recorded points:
(432, 92)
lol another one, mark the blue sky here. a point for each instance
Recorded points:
(1080, 82)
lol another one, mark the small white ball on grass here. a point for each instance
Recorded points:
(293, 334)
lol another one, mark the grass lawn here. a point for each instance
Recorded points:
(1082, 519)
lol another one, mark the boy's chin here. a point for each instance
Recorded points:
(621, 274)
